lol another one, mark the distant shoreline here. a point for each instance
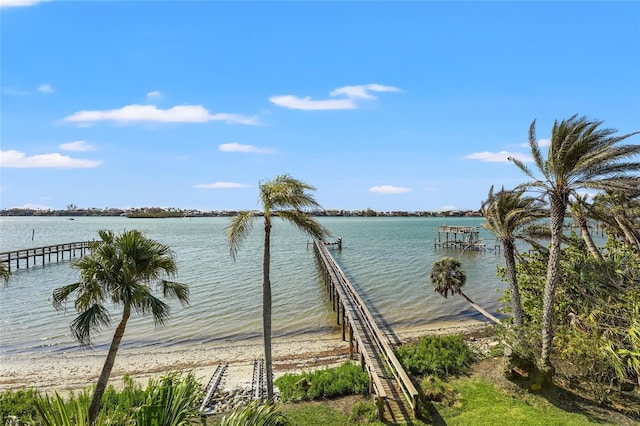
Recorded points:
(160, 213)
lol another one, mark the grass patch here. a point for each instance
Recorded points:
(479, 402)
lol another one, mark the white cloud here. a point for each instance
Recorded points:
(20, 3)
(19, 160)
(45, 88)
(389, 189)
(151, 113)
(498, 157)
(307, 104)
(154, 94)
(221, 185)
(351, 95)
(236, 147)
(77, 146)
(363, 91)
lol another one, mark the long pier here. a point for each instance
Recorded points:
(41, 255)
(395, 394)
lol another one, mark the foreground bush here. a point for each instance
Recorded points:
(255, 414)
(18, 404)
(439, 356)
(347, 379)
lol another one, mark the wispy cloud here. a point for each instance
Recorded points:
(236, 147)
(541, 143)
(153, 95)
(389, 189)
(45, 88)
(350, 94)
(221, 185)
(19, 160)
(498, 157)
(20, 3)
(151, 113)
(77, 146)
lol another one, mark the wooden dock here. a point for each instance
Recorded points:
(396, 396)
(38, 256)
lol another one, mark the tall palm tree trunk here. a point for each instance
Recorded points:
(516, 303)
(266, 307)
(558, 209)
(479, 308)
(628, 232)
(94, 408)
(588, 239)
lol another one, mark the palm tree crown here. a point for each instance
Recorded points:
(447, 276)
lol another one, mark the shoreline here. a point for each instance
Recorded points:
(78, 370)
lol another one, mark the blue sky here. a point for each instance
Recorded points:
(383, 105)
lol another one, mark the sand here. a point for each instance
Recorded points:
(77, 370)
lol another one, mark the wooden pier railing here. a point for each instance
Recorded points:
(41, 255)
(396, 396)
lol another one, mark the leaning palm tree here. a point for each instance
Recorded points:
(581, 211)
(120, 268)
(284, 197)
(581, 155)
(621, 214)
(447, 276)
(510, 215)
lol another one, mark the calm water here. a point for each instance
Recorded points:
(387, 259)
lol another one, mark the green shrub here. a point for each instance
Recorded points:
(436, 355)
(363, 412)
(19, 404)
(255, 414)
(347, 379)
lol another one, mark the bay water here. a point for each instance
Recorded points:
(388, 259)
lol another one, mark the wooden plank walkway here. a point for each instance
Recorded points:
(396, 396)
(29, 257)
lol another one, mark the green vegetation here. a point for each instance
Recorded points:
(436, 355)
(481, 403)
(256, 414)
(347, 379)
(169, 400)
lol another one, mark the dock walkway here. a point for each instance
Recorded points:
(38, 256)
(396, 396)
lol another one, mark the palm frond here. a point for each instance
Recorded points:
(61, 294)
(176, 290)
(304, 223)
(91, 319)
(238, 229)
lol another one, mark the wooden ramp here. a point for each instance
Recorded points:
(396, 396)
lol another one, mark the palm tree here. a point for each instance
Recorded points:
(510, 215)
(284, 197)
(581, 156)
(120, 268)
(581, 211)
(447, 276)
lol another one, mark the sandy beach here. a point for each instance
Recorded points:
(79, 369)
